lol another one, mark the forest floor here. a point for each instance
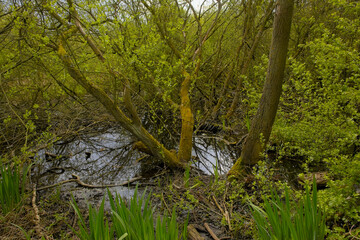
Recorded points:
(50, 214)
(214, 207)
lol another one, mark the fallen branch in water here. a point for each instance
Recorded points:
(76, 179)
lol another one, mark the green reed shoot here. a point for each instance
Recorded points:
(276, 220)
(216, 172)
(133, 220)
(187, 176)
(12, 187)
(98, 225)
(137, 219)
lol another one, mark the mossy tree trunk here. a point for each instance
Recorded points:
(187, 119)
(263, 121)
(189, 74)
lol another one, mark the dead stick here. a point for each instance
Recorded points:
(81, 183)
(217, 204)
(211, 231)
(224, 213)
(227, 217)
(76, 179)
(162, 197)
(36, 213)
(193, 234)
(56, 184)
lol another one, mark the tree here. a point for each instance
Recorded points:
(131, 54)
(262, 122)
(74, 31)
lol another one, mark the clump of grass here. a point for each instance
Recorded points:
(98, 225)
(276, 221)
(133, 221)
(12, 186)
(168, 229)
(137, 219)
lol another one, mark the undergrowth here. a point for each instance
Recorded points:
(277, 221)
(12, 186)
(133, 220)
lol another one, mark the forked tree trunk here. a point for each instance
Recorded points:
(132, 122)
(154, 147)
(262, 123)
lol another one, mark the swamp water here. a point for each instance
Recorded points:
(107, 158)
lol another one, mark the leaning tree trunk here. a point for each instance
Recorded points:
(131, 122)
(262, 123)
(131, 125)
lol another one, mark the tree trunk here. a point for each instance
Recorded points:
(262, 123)
(157, 149)
(187, 120)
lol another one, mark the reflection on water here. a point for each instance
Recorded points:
(212, 153)
(107, 158)
(100, 159)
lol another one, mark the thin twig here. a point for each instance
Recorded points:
(163, 199)
(352, 234)
(56, 184)
(217, 204)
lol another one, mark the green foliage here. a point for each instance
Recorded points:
(216, 172)
(133, 220)
(276, 221)
(319, 115)
(168, 229)
(12, 186)
(343, 195)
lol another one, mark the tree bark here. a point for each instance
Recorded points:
(262, 123)
(187, 120)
